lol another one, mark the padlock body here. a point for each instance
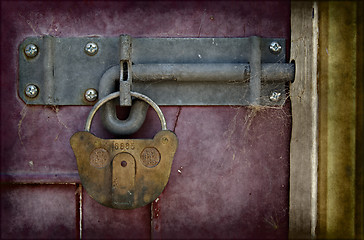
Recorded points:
(124, 173)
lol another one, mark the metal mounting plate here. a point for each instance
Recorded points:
(62, 70)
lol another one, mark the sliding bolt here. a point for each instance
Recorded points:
(275, 47)
(91, 95)
(91, 48)
(31, 50)
(31, 91)
(275, 96)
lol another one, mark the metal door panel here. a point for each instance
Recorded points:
(38, 211)
(106, 223)
(234, 175)
(235, 181)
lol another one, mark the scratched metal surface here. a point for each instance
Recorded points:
(230, 174)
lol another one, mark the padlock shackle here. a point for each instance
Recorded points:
(117, 94)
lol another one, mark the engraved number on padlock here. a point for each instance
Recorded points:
(124, 173)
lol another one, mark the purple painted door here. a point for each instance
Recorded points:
(230, 174)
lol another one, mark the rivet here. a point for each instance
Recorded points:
(275, 96)
(90, 94)
(31, 91)
(31, 50)
(164, 140)
(91, 48)
(275, 47)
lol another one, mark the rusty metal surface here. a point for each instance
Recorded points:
(209, 189)
(38, 212)
(124, 173)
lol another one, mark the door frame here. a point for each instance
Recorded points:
(326, 150)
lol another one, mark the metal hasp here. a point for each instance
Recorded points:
(172, 71)
(123, 75)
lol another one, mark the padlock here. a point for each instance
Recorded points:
(124, 173)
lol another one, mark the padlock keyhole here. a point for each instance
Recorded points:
(124, 163)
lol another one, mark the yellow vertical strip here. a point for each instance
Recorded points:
(341, 120)
(323, 108)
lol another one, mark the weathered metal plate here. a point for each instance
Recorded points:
(38, 211)
(234, 184)
(63, 71)
(124, 173)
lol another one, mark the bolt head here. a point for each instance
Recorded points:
(31, 50)
(275, 96)
(31, 91)
(91, 48)
(275, 47)
(91, 95)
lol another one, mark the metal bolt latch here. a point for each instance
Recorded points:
(31, 50)
(231, 71)
(91, 48)
(91, 95)
(31, 91)
(275, 96)
(275, 47)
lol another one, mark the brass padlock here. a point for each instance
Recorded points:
(124, 173)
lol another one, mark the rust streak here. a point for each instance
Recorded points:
(177, 117)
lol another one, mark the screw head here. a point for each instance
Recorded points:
(31, 50)
(275, 47)
(31, 91)
(91, 95)
(91, 48)
(275, 96)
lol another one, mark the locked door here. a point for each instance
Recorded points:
(229, 176)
